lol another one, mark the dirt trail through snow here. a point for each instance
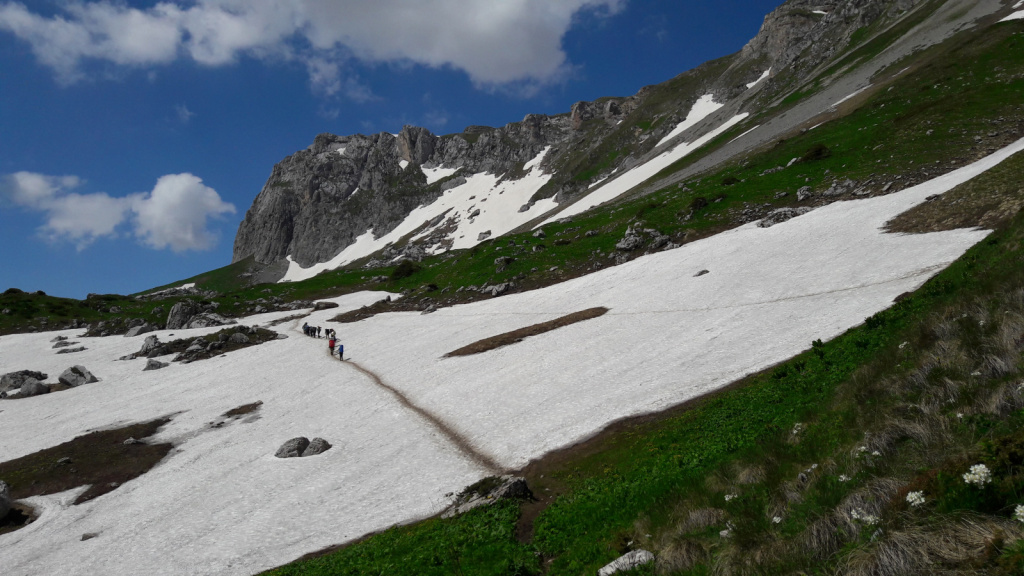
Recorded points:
(453, 436)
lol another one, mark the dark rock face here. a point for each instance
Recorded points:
(76, 376)
(16, 379)
(319, 200)
(292, 448)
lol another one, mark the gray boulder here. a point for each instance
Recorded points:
(5, 499)
(180, 314)
(238, 338)
(631, 241)
(292, 448)
(152, 364)
(803, 193)
(16, 379)
(59, 339)
(152, 343)
(489, 491)
(628, 561)
(137, 330)
(316, 446)
(76, 376)
(33, 387)
(208, 319)
(71, 350)
(63, 344)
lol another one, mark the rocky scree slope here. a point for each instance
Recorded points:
(320, 200)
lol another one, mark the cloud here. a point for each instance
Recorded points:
(184, 114)
(173, 215)
(495, 43)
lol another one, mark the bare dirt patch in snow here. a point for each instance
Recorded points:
(101, 459)
(518, 335)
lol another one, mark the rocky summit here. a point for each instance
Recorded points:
(318, 201)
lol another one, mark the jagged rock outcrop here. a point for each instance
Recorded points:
(13, 380)
(318, 201)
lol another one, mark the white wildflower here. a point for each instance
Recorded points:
(730, 497)
(863, 517)
(797, 428)
(876, 453)
(915, 498)
(1018, 513)
(976, 373)
(844, 478)
(978, 476)
(725, 533)
(960, 415)
(776, 520)
(903, 345)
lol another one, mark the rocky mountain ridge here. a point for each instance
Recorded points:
(318, 201)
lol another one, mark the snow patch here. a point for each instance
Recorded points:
(763, 76)
(848, 96)
(639, 174)
(702, 108)
(402, 164)
(745, 133)
(438, 173)
(1018, 15)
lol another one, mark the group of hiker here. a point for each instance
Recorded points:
(330, 334)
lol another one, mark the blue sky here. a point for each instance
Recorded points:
(135, 135)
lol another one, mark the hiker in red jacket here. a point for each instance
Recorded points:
(330, 344)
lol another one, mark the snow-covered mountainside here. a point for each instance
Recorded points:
(347, 197)
(222, 503)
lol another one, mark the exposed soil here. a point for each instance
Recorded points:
(101, 459)
(518, 335)
(217, 343)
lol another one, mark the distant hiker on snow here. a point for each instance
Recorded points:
(330, 344)
(341, 352)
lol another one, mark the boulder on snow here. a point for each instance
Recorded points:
(324, 305)
(292, 448)
(137, 330)
(208, 319)
(5, 499)
(71, 350)
(13, 380)
(152, 343)
(63, 344)
(33, 387)
(76, 376)
(316, 446)
(180, 314)
(238, 338)
(628, 561)
(152, 364)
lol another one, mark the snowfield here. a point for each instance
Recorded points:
(221, 503)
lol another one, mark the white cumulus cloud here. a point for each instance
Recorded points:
(175, 214)
(495, 43)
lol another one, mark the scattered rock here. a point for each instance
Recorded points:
(803, 193)
(488, 491)
(628, 561)
(781, 215)
(324, 305)
(151, 344)
(238, 338)
(71, 350)
(76, 376)
(13, 380)
(208, 319)
(540, 234)
(131, 441)
(503, 262)
(5, 499)
(153, 364)
(316, 446)
(137, 330)
(292, 448)
(59, 339)
(33, 387)
(631, 241)
(64, 344)
(89, 536)
(701, 273)
(483, 236)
